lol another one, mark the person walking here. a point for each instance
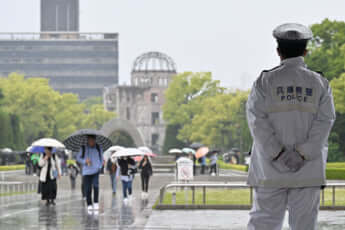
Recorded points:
(35, 157)
(290, 113)
(127, 168)
(146, 172)
(203, 164)
(50, 171)
(113, 170)
(73, 172)
(91, 159)
(213, 164)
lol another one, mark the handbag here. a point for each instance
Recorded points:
(55, 173)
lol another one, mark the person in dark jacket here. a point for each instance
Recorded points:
(73, 172)
(113, 170)
(127, 169)
(146, 172)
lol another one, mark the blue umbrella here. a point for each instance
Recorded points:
(38, 149)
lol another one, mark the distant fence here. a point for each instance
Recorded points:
(13, 188)
(205, 187)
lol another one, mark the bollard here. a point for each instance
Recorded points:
(251, 195)
(185, 195)
(333, 195)
(204, 195)
(173, 198)
(193, 195)
(323, 196)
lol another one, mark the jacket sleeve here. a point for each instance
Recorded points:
(320, 128)
(265, 140)
(80, 159)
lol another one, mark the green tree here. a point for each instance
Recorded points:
(33, 101)
(222, 122)
(327, 54)
(338, 87)
(34, 110)
(184, 99)
(97, 117)
(327, 48)
(89, 102)
(170, 140)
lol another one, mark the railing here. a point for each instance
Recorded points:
(57, 35)
(205, 186)
(13, 188)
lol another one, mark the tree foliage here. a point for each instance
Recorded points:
(44, 112)
(184, 99)
(200, 110)
(170, 140)
(327, 48)
(327, 54)
(338, 87)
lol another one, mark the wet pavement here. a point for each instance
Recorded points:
(232, 219)
(28, 212)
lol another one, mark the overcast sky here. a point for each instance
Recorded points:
(232, 39)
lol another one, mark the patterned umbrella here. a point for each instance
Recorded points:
(79, 138)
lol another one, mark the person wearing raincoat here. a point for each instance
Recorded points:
(290, 113)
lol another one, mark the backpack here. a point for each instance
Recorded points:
(98, 149)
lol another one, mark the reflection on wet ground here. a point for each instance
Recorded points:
(28, 212)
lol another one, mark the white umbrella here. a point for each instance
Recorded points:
(128, 152)
(6, 150)
(175, 151)
(145, 149)
(111, 150)
(48, 142)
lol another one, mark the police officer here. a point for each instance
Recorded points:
(290, 113)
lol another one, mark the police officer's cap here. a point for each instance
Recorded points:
(292, 32)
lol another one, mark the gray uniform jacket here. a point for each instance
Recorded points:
(289, 106)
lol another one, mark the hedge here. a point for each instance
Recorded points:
(336, 165)
(223, 165)
(334, 171)
(11, 167)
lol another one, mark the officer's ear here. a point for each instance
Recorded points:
(279, 54)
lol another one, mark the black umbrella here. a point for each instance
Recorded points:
(79, 138)
(214, 151)
(196, 145)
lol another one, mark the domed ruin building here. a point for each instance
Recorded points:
(139, 105)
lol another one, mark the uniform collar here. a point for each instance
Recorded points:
(294, 61)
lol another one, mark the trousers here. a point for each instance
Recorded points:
(270, 205)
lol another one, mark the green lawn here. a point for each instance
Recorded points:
(11, 167)
(237, 197)
(14, 193)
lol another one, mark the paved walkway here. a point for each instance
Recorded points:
(28, 212)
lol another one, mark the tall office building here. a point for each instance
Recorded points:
(74, 62)
(59, 15)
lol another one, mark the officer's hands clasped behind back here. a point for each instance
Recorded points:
(291, 159)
